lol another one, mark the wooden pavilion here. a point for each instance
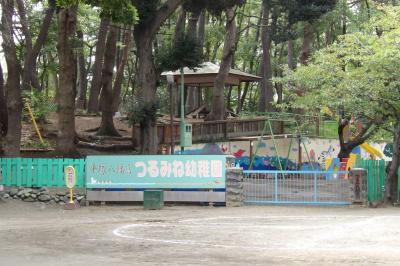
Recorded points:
(195, 80)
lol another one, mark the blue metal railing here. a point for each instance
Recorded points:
(297, 187)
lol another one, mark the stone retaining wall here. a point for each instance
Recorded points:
(234, 187)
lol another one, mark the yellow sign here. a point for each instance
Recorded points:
(70, 180)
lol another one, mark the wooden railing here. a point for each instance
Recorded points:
(222, 130)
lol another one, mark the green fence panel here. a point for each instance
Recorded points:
(38, 172)
(376, 179)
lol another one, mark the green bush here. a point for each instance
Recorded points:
(41, 104)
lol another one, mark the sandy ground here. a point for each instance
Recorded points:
(38, 234)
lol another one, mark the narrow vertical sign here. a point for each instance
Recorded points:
(70, 177)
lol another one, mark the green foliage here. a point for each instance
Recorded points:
(146, 8)
(185, 52)
(215, 7)
(358, 75)
(142, 113)
(120, 11)
(306, 10)
(41, 104)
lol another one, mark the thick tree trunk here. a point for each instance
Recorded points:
(144, 34)
(3, 112)
(267, 92)
(307, 42)
(12, 86)
(147, 85)
(93, 104)
(218, 101)
(82, 79)
(392, 175)
(67, 19)
(120, 71)
(107, 127)
(3, 106)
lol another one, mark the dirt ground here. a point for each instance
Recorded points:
(38, 234)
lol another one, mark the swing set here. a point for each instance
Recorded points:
(297, 132)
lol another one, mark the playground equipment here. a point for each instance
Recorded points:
(297, 133)
(372, 151)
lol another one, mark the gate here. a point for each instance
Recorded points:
(297, 187)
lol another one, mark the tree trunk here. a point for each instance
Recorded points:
(29, 76)
(267, 93)
(307, 42)
(191, 97)
(144, 34)
(12, 86)
(93, 104)
(392, 175)
(251, 64)
(346, 147)
(291, 58)
(218, 101)
(107, 127)
(67, 19)
(120, 71)
(3, 112)
(147, 85)
(201, 30)
(180, 24)
(82, 81)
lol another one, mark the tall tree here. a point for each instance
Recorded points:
(12, 86)
(29, 76)
(107, 127)
(230, 43)
(3, 111)
(151, 16)
(267, 92)
(82, 77)
(67, 21)
(93, 103)
(121, 68)
(358, 77)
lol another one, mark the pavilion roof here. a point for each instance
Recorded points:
(205, 75)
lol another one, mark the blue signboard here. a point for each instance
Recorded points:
(156, 171)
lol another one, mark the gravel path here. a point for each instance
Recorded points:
(39, 234)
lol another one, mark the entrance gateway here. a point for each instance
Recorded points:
(303, 187)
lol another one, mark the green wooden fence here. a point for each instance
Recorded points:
(376, 178)
(39, 172)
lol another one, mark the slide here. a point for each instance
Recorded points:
(372, 151)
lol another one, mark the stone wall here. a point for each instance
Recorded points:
(42, 194)
(234, 187)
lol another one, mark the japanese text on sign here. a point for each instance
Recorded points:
(156, 171)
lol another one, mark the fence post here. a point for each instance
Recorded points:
(315, 187)
(276, 187)
(359, 185)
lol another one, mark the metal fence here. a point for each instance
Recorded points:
(297, 187)
(38, 172)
